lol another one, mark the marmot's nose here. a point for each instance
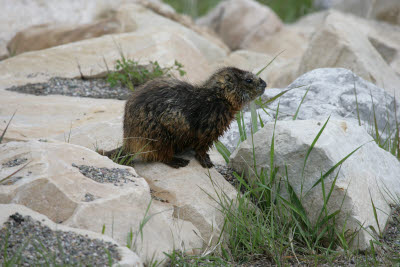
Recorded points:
(263, 83)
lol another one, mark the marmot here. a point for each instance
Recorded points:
(166, 116)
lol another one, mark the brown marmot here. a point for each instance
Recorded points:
(166, 116)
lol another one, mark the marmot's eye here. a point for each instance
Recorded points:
(249, 80)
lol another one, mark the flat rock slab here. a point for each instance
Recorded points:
(92, 57)
(93, 123)
(192, 191)
(18, 219)
(77, 187)
(21, 14)
(370, 173)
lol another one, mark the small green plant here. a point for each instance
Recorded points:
(178, 258)
(301, 102)
(132, 238)
(129, 73)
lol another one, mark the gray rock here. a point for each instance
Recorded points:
(239, 21)
(325, 4)
(331, 93)
(369, 173)
(385, 10)
(344, 41)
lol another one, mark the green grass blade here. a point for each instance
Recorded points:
(261, 121)
(336, 165)
(254, 118)
(301, 102)
(241, 126)
(375, 215)
(221, 148)
(377, 136)
(242, 181)
(355, 94)
(295, 201)
(12, 174)
(275, 97)
(266, 66)
(5, 130)
(272, 148)
(326, 200)
(309, 151)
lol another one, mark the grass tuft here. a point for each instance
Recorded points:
(129, 73)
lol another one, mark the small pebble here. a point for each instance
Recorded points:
(89, 197)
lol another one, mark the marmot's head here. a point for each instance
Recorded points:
(239, 87)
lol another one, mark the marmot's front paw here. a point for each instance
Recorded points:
(205, 161)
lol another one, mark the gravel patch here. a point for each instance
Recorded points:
(227, 173)
(42, 246)
(94, 88)
(14, 162)
(391, 235)
(116, 176)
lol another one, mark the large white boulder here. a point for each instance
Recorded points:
(349, 42)
(331, 92)
(339, 93)
(192, 191)
(148, 20)
(56, 182)
(385, 10)
(280, 73)
(77, 187)
(93, 123)
(17, 15)
(368, 174)
(92, 57)
(43, 36)
(239, 21)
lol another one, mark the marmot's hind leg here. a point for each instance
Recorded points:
(177, 162)
(164, 153)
